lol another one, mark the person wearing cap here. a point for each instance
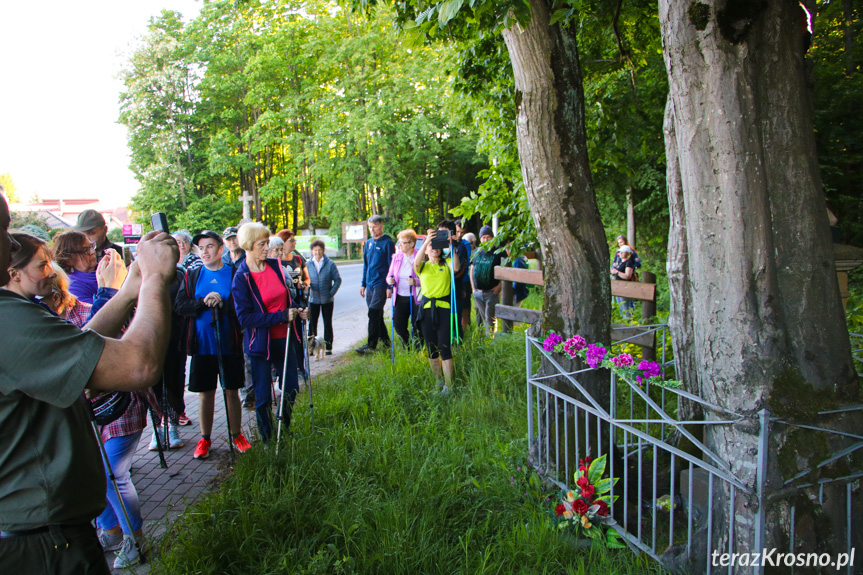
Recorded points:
(204, 289)
(233, 254)
(624, 269)
(93, 225)
(485, 299)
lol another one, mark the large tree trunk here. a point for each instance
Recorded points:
(553, 152)
(769, 330)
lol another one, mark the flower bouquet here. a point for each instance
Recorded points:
(585, 511)
(596, 356)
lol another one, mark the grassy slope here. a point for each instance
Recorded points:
(393, 479)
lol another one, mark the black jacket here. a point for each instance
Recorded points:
(190, 308)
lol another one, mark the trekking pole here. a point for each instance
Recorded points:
(308, 373)
(393, 326)
(453, 326)
(165, 416)
(214, 311)
(111, 475)
(162, 463)
(281, 410)
(412, 319)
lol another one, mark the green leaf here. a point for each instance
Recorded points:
(447, 10)
(596, 469)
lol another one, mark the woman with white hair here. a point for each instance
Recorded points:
(189, 260)
(624, 269)
(266, 310)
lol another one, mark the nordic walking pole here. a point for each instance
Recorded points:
(165, 415)
(308, 373)
(281, 410)
(215, 313)
(393, 326)
(162, 463)
(411, 334)
(111, 475)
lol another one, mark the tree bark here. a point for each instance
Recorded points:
(552, 147)
(553, 152)
(769, 330)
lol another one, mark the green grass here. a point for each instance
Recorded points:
(393, 479)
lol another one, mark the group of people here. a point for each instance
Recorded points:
(85, 322)
(430, 290)
(624, 268)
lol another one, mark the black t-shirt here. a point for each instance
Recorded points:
(621, 267)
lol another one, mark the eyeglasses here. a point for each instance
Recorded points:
(88, 250)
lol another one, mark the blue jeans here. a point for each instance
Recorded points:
(121, 451)
(262, 381)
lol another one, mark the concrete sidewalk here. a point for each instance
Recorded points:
(166, 493)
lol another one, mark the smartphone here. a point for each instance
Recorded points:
(441, 240)
(160, 222)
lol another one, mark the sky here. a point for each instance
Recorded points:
(59, 95)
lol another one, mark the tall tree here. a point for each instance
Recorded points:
(758, 287)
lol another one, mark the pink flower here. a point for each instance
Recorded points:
(574, 344)
(650, 369)
(622, 360)
(551, 341)
(595, 355)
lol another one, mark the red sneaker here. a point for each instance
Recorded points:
(183, 420)
(202, 451)
(241, 444)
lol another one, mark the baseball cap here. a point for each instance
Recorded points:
(208, 234)
(229, 232)
(89, 219)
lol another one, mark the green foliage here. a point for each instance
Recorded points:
(9, 187)
(116, 235)
(323, 116)
(838, 91)
(393, 479)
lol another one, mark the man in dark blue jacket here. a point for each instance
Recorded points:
(377, 253)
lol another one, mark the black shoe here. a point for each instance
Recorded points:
(364, 350)
(328, 352)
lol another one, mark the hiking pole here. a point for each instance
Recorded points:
(281, 410)
(162, 463)
(165, 416)
(453, 325)
(393, 327)
(111, 475)
(307, 376)
(214, 311)
(412, 319)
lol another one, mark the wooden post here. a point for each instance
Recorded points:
(648, 310)
(506, 298)
(630, 218)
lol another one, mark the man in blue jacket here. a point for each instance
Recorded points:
(377, 253)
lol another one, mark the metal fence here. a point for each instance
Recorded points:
(669, 500)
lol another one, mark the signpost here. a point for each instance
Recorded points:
(354, 233)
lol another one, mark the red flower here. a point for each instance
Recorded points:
(583, 481)
(584, 462)
(559, 509)
(580, 507)
(603, 508)
(588, 492)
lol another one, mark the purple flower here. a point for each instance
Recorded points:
(551, 341)
(595, 355)
(622, 360)
(650, 369)
(574, 344)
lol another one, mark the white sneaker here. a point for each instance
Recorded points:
(174, 440)
(130, 553)
(157, 438)
(110, 542)
(445, 390)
